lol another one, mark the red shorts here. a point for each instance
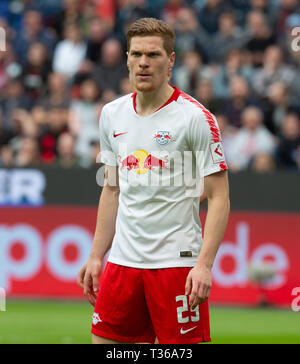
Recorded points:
(137, 305)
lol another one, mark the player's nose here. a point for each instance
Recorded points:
(144, 61)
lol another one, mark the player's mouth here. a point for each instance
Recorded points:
(143, 76)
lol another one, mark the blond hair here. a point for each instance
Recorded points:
(152, 26)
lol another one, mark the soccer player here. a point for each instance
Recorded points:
(158, 276)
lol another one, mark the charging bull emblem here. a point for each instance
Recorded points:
(141, 162)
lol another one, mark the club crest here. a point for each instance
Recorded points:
(163, 137)
(96, 318)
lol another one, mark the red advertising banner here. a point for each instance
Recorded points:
(43, 248)
(251, 241)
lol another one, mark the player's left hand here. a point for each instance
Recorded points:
(198, 284)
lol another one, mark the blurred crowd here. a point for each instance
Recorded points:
(65, 59)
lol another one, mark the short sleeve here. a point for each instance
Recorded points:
(206, 143)
(106, 152)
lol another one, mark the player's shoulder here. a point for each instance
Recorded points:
(117, 104)
(193, 108)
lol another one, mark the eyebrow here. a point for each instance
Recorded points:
(134, 51)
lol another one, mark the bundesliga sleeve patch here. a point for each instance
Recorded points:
(186, 253)
(217, 152)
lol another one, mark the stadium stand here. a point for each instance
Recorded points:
(65, 59)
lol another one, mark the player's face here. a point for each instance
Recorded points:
(148, 63)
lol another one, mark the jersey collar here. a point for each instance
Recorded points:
(173, 97)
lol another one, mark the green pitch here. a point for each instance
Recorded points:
(69, 323)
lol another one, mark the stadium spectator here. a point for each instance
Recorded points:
(57, 95)
(232, 67)
(6, 152)
(106, 10)
(229, 36)
(36, 71)
(15, 97)
(83, 119)
(239, 98)
(288, 150)
(190, 36)
(5, 134)
(9, 68)
(128, 11)
(170, 12)
(286, 8)
(28, 155)
(252, 138)
(274, 69)
(112, 67)
(23, 128)
(295, 84)
(23, 124)
(209, 15)
(69, 13)
(191, 72)
(108, 95)
(39, 117)
(125, 86)
(33, 31)
(260, 36)
(98, 31)
(6, 156)
(155, 7)
(276, 106)
(66, 156)
(70, 52)
(56, 124)
(268, 8)
(263, 162)
(204, 94)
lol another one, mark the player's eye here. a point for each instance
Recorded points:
(152, 55)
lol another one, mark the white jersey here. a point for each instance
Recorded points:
(158, 224)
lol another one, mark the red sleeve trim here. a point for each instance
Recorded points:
(215, 133)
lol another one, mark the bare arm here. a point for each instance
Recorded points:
(199, 280)
(203, 197)
(107, 214)
(104, 233)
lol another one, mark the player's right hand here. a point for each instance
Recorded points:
(88, 279)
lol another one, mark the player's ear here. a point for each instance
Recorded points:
(171, 60)
(171, 63)
(127, 59)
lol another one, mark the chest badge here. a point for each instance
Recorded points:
(163, 137)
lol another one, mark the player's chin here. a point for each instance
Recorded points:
(145, 87)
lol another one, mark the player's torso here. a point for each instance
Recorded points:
(148, 144)
(157, 216)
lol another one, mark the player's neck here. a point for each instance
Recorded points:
(148, 102)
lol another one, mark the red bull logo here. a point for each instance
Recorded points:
(130, 162)
(141, 162)
(151, 162)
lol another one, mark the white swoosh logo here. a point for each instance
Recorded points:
(185, 331)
